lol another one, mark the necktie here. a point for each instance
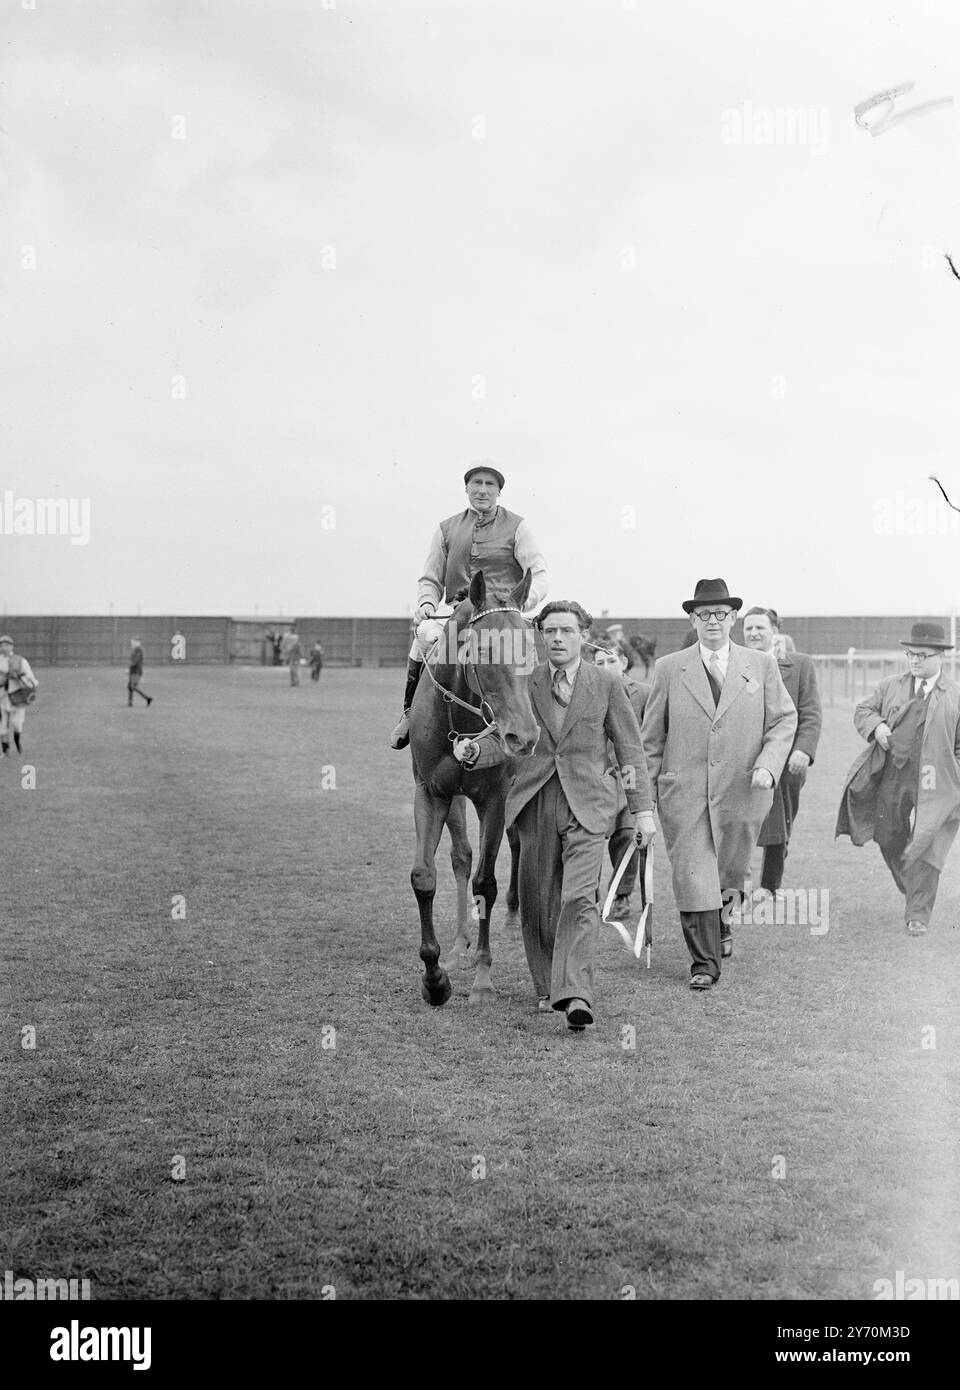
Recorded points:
(560, 689)
(714, 677)
(922, 690)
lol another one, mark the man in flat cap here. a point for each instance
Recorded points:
(483, 537)
(717, 730)
(903, 791)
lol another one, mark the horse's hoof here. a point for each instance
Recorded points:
(437, 993)
(512, 918)
(486, 994)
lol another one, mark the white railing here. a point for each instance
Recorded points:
(850, 678)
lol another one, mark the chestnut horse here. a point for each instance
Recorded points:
(478, 688)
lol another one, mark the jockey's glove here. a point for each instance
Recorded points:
(466, 751)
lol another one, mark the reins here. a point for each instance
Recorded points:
(449, 698)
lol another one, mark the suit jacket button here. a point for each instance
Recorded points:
(716, 728)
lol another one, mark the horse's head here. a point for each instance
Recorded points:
(497, 642)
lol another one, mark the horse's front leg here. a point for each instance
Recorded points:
(512, 918)
(490, 808)
(429, 817)
(461, 858)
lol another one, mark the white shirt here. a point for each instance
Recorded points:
(570, 672)
(722, 654)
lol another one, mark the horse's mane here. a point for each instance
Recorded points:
(495, 598)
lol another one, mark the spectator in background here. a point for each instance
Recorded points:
(316, 660)
(17, 687)
(290, 652)
(135, 673)
(761, 627)
(903, 791)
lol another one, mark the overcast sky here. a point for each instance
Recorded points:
(399, 236)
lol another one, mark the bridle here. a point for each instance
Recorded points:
(450, 699)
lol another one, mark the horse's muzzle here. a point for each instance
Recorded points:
(519, 747)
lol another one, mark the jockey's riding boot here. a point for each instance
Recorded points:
(401, 734)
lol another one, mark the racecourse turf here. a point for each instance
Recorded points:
(243, 1095)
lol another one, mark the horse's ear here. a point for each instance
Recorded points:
(518, 598)
(478, 591)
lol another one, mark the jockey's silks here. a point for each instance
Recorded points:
(487, 543)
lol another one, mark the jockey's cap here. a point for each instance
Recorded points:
(484, 468)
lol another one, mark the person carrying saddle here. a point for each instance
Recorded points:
(484, 537)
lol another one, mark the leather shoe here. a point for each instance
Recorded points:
(726, 946)
(578, 1015)
(701, 982)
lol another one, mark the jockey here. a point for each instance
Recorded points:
(485, 536)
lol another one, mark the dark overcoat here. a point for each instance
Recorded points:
(800, 681)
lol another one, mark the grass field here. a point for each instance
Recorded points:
(791, 1134)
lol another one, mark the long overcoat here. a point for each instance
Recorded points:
(701, 758)
(938, 795)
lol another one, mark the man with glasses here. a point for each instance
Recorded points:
(903, 791)
(717, 731)
(563, 800)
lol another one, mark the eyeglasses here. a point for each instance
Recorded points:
(920, 656)
(705, 614)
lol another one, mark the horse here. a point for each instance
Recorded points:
(491, 698)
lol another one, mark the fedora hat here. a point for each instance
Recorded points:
(926, 635)
(5, 638)
(484, 468)
(711, 591)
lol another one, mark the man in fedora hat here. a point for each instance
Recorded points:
(484, 537)
(717, 730)
(903, 791)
